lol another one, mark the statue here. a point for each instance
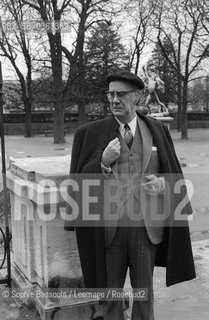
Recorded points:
(154, 83)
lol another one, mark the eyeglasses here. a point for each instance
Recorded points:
(120, 94)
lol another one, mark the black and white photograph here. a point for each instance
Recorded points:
(104, 158)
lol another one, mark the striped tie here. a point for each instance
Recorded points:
(128, 137)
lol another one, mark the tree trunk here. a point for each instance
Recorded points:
(184, 133)
(59, 134)
(82, 114)
(28, 101)
(28, 121)
(56, 59)
(137, 61)
(179, 112)
(207, 92)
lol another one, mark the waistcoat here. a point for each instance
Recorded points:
(129, 174)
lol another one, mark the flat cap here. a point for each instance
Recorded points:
(126, 76)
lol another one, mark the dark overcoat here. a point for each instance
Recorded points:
(175, 253)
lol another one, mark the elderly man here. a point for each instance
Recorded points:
(136, 152)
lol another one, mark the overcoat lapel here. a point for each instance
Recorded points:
(152, 130)
(112, 134)
(146, 144)
(111, 130)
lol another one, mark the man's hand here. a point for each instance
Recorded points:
(111, 153)
(154, 185)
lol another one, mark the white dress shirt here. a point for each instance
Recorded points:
(132, 124)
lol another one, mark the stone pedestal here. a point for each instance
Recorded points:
(44, 254)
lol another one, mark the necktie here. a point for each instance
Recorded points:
(128, 137)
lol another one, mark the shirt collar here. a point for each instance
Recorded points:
(132, 125)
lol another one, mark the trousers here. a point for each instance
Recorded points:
(131, 248)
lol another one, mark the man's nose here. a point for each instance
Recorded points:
(115, 98)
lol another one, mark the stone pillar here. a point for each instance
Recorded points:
(44, 254)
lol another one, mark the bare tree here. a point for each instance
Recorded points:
(140, 13)
(51, 13)
(14, 41)
(82, 14)
(89, 13)
(204, 8)
(180, 22)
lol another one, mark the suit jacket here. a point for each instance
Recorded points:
(139, 199)
(175, 252)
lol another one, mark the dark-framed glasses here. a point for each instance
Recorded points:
(120, 94)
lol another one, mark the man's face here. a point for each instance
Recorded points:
(123, 104)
